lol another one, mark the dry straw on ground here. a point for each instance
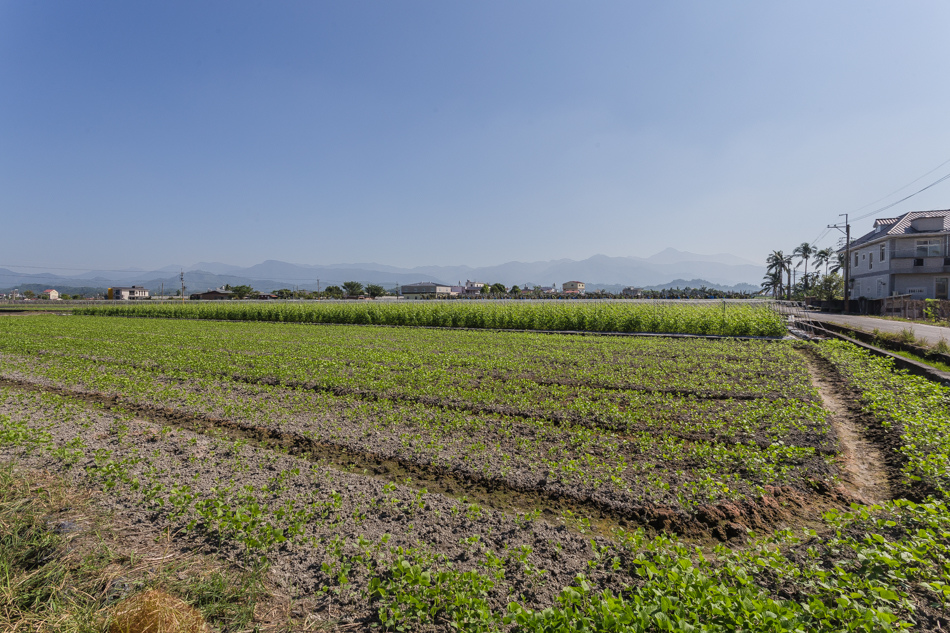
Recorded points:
(155, 611)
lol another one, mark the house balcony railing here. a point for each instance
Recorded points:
(909, 265)
(928, 252)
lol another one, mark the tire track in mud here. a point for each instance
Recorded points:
(869, 461)
(723, 521)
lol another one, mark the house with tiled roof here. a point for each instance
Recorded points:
(909, 254)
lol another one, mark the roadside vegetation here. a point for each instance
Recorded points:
(912, 408)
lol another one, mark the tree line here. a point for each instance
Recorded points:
(783, 280)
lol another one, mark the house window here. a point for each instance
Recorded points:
(855, 259)
(870, 261)
(929, 247)
(883, 252)
(941, 288)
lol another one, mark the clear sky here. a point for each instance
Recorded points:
(141, 134)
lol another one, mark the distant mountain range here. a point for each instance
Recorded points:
(668, 268)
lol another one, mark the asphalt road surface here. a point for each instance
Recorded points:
(932, 334)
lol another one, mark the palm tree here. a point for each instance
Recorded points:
(823, 257)
(773, 282)
(838, 263)
(804, 252)
(779, 261)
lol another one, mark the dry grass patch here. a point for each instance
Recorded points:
(68, 566)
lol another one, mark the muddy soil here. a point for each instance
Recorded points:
(520, 491)
(870, 465)
(349, 505)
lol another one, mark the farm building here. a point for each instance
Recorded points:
(213, 295)
(425, 289)
(52, 294)
(573, 287)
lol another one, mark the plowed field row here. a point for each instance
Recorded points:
(404, 506)
(621, 449)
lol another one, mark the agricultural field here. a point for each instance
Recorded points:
(727, 318)
(436, 479)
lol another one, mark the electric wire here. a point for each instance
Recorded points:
(893, 204)
(886, 207)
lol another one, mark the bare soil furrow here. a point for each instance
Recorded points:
(724, 521)
(592, 421)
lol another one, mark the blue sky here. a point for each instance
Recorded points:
(412, 133)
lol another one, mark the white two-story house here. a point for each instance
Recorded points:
(909, 254)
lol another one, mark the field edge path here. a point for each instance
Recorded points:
(866, 472)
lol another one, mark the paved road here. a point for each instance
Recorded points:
(930, 333)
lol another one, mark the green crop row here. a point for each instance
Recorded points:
(452, 399)
(654, 466)
(868, 569)
(915, 408)
(882, 568)
(414, 359)
(726, 319)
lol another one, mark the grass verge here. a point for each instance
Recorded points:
(65, 565)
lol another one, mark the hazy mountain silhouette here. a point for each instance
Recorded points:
(721, 270)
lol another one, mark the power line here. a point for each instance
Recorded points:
(904, 187)
(886, 207)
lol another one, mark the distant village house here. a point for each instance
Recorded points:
(218, 294)
(51, 294)
(127, 294)
(472, 288)
(573, 287)
(425, 289)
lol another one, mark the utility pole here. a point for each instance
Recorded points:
(181, 276)
(847, 259)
